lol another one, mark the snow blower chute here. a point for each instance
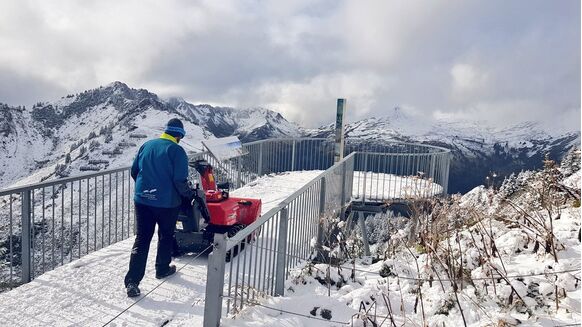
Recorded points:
(212, 211)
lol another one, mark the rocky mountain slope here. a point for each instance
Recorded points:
(479, 151)
(102, 128)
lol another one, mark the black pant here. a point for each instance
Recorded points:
(146, 219)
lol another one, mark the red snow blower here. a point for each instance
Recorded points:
(212, 211)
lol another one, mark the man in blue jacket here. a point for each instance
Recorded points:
(160, 171)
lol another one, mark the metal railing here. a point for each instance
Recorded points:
(389, 171)
(48, 224)
(45, 225)
(268, 248)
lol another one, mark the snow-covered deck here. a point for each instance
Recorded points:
(90, 291)
(380, 187)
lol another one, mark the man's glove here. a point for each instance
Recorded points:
(198, 199)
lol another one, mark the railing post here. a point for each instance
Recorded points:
(321, 213)
(433, 158)
(215, 282)
(365, 177)
(343, 193)
(26, 240)
(293, 156)
(446, 173)
(260, 161)
(281, 254)
(239, 168)
(339, 130)
(362, 223)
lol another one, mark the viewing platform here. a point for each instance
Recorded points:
(81, 232)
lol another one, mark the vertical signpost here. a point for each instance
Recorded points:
(339, 130)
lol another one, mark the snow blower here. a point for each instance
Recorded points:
(212, 211)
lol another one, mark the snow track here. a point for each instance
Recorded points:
(89, 291)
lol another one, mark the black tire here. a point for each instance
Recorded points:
(234, 230)
(231, 233)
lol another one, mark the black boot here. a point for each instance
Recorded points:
(132, 290)
(163, 274)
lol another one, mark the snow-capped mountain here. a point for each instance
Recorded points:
(478, 149)
(103, 127)
(109, 123)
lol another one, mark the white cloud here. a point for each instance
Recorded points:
(508, 61)
(312, 101)
(468, 83)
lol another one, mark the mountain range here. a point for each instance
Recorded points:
(481, 153)
(73, 134)
(102, 128)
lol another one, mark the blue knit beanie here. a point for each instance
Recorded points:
(175, 128)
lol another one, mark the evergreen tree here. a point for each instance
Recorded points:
(571, 162)
(509, 186)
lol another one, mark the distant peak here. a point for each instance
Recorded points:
(176, 99)
(117, 84)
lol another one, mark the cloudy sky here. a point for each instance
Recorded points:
(494, 60)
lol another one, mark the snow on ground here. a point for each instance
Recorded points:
(379, 186)
(485, 303)
(306, 296)
(573, 181)
(270, 187)
(90, 291)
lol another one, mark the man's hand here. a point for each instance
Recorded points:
(199, 200)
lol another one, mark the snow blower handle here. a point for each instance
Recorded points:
(199, 200)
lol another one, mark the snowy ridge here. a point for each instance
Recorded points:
(39, 139)
(478, 149)
(398, 125)
(109, 123)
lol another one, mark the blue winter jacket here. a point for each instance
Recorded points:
(160, 171)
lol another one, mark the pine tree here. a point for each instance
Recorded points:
(571, 162)
(509, 186)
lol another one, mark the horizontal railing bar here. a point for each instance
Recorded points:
(422, 154)
(350, 142)
(59, 181)
(288, 139)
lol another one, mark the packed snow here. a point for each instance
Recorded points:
(378, 186)
(573, 181)
(90, 291)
